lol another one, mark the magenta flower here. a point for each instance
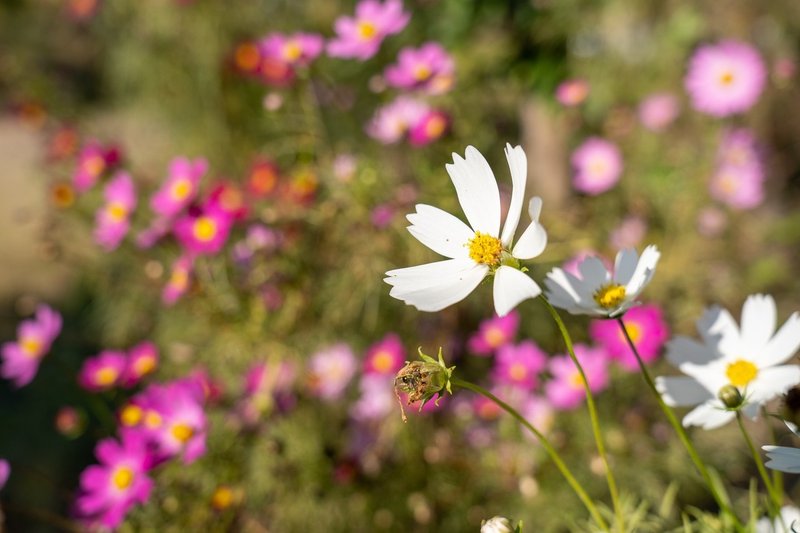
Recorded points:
(494, 333)
(392, 122)
(183, 428)
(571, 93)
(485, 408)
(180, 187)
(598, 166)
(34, 337)
(204, 232)
(519, 365)
(382, 215)
(103, 371)
(112, 221)
(93, 161)
(565, 390)
(430, 127)
(109, 490)
(330, 371)
(361, 36)
(726, 78)
(646, 327)
(142, 360)
(428, 68)
(386, 357)
(658, 111)
(299, 49)
(179, 279)
(5, 471)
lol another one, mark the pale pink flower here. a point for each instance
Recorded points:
(565, 390)
(428, 68)
(34, 338)
(393, 121)
(598, 166)
(571, 93)
(298, 49)
(330, 371)
(658, 111)
(112, 220)
(629, 234)
(385, 357)
(519, 365)
(361, 36)
(494, 333)
(180, 187)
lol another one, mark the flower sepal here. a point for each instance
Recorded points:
(422, 380)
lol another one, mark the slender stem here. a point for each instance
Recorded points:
(777, 475)
(548, 447)
(679, 429)
(598, 436)
(774, 498)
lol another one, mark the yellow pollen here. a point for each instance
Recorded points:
(422, 73)
(634, 332)
(741, 372)
(495, 337)
(182, 432)
(144, 365)
(366, 30)
(131, 415)
(152, 420)
(181, 189)
(726, 78)
(122, 477)
(31, 346)
(382, 362)
(179, 279)
(576, 380)
(435, 126)
(485, 249)
(116, 211)
(518, 372)
(609, 296)
(106, 376)
(292, 51)
(205, 229)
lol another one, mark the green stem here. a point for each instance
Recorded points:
(774, 498)
(679, 429)
(777, 475)
(548, 447)
(598, 436)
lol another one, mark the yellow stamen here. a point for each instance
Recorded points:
(382, 362)
(435, 126)
(741, 372)
(518, 372)
(94, 165)
(182, 432)
(292, 51)
(495, 337)
(116, 211)
(152, 419)
(122, 477)
(366, 30)
(181, 189)
(31, 346)
(422, 73)
(485, 249)
(205, 229)
(144, 365)
(576, 381)
(131, 415)
(609, 296)
(726, 78)
(634, 332)
(106, 376)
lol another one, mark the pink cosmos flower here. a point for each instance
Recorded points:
(159, 228)
(203, 232)
(565, 390)
(485, 408)
(179, 280)
(267, 386)
(298, 49)
(361, 36)
(382, 215)
(392, 122)
(103, 371)
(386, 357)
(428, 68)
(629, 233)
(539, 412)
(725, 78)
(330, 371)
(570, 93)
(34, 337)
(598, 166)
(519, 365)
(142, 360)
(646, 327)
(658, 111)
(344, 167)
(494, 333)
(180, 187)
(112, 221)
(109, 490)
(228, 198)
(93, 160)
(376, 399)
(5, 471)
(739, 178)
(430, 127)
(184, 426)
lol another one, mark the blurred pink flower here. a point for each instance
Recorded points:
(539, 412)
(158, 229)
(112, 220)
(571, 93)
(330, 371)
(519, 365)
(494, 333)
(229, 198)
(265, 386)
(485, 408)
(376, 398)
(34, 338)
(393, 121)
(725, 78)
(565, 391)
(658, 111)
(430, 127)
(629, 233)
(428, 68)
(646, 327)
(180, 187)
(711, 221)
(598, 166)
(361, 36)
(344, 167)
(203, 232)
(93, 160)
(103, 371)
(142, 360)
(382, 215)
(784, 68)
(739, 178)
(5, 471)
(386, 357)
(179, 280)
(298, 49)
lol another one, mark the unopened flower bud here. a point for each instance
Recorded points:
(731, 397)
(422, 380)
(497, 524)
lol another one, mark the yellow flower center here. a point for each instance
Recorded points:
(741, 372)
(116, 211)
(726, 78)
(181, 189)
(179, 279)
(366, 30)
(204, 229)
(435, 126)
(518, 372)
(152, 419)
(634, 332)
(422, 73)
(182, 432)
(292, 51)
(485, 249)
(31, 346)
(131, 415)
(382, 362)
(609, 296)
(94, 165)
(495, 337)
(576, 381)
(144, 365)
(122, 477)
(222, 498)
(106, 376)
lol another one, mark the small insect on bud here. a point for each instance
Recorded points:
(422, 380)
(731, 397)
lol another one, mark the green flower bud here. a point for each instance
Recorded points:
(422, 380)
(731, 397)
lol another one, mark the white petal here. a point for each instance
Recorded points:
(440, 231)
(682, 391)
(644, 271)
(593, 272)
(783, 458)
(757, 324)
(709, 415)
(561, 290)
(772, 382)
(518, 164)
(429, 273)
(625, 265)
(511, 287)
(531, 243)
(682, 350)
(445, 291)
(720, 332)
(784, 344)
(477, 191)
(535, 208)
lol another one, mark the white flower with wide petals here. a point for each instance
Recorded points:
(478, 249)
(784, 458)
(597, 291)
(788, 521)
(749, 358)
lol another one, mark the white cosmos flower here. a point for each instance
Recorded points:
(478, 249)
(787, 522)
(598, 292)
(748, 358)
(784, 458)
(497, 524)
